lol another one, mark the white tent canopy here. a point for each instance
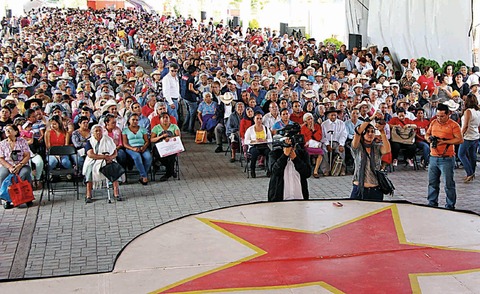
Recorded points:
(434, 29)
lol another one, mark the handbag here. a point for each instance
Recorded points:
(20, 191)
(112, 171)
(201, 137)
(403, 135)
(384, 183)
(4, 188)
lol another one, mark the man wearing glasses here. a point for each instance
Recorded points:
(171, 89)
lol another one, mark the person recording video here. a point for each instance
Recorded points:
(289, 165)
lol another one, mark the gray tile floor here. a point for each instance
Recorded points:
(70, 237)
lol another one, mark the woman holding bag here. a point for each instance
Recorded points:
(100, 150)
(14, 157)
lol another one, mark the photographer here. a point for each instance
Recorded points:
(290, 168)
(442, 135)
(367, 156)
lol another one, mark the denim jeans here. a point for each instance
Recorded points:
(173, 112)
(422, 145)
(53, 162)
(189, 123)
(143, 161)
(122, 157)
(441, 166)
(467, 153)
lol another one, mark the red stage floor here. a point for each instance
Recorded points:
(294, 247)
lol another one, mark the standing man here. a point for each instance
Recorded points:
(191, 100)
(334, 136)
(442, 135)
(171, 89)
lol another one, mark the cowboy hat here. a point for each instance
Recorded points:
(452, 105)
(156, 72)
(309, 94)
(363, 103)
(226, 98)
(19, 85)
(29, 102)
(326, 100)
(65, 76)
(107, 105)
(433, 98)
(332, 110)
(8, 99)
(357, 85)
(379, 87)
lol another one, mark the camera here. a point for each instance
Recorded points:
(291, 132)
(434, 141)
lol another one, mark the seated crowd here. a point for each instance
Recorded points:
(242, 89)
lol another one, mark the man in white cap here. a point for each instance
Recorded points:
(225, 108)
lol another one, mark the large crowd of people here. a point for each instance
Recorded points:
(68, 73)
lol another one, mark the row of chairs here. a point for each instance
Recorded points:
(55, 179)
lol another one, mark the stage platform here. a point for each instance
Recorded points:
(320, 246)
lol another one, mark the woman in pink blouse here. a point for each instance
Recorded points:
(14, 156)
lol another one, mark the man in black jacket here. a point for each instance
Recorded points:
(290, 168)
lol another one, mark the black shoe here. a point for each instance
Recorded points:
(219, 149)
(175, 175)
(88, 200)
(164, 178)
(7, 205)
(232, 160)
(118, 198)
(253, 174)
(142, 182)
(29, 203)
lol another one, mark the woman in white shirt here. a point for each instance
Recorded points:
(468, 149)
(257, 137)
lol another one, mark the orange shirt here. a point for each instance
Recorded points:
(444, 131)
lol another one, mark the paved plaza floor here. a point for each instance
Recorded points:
(65, 236)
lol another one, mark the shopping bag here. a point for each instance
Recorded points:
(112, 171)
(4, 188)
(20, 191)
(403, 135)
(201, 137)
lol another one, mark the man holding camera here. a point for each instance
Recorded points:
(442, 135)
(290, 168)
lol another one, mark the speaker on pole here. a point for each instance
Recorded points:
(8, 13)
(354, 40)
(283, 28)
(236, 21)
(203, 15)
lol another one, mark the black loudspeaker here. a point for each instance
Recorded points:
(354, 41)
(236, 21)
(283, 28)
(203, 15)
(8, 13)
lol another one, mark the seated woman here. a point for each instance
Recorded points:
(100, 150)
(246, 122)
(14, 157)
(164, 131)
(256, 137)
(401, 121)
(135, 140)
(312, 132)
(56, 135)
(36, 160)
(79, 140)
(114, 132)
(206, 115)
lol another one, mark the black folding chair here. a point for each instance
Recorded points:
(59, 174)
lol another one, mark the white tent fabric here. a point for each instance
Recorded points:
(434, 29)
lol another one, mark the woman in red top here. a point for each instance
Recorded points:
(401, 121)
(246, 122)
(427, 80)
(56, 135)
(312, 132)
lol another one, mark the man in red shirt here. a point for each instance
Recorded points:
(422, 126)
(443, 134)
(150, 105)
(297, 114)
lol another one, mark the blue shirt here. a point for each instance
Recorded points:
(205, 109)
(135, 140)
(280, 125)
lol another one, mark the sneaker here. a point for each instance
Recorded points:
(219, 149)
(395, 162)
(410, 162)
